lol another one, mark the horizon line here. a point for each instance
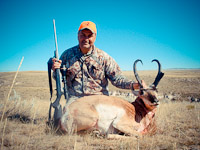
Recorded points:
(121, 70)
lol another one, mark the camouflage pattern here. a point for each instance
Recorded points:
(88, 74)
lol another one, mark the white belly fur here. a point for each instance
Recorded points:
(108, 117)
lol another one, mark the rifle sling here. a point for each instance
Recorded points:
(50, 63)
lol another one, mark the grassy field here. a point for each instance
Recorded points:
(26, 112)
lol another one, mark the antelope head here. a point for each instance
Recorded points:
(149, 95)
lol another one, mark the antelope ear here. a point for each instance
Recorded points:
(153, 87)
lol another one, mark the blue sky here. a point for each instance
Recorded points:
(167, 30)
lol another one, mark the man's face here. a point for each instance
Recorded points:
(86, 40)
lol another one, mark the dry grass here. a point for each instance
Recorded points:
(177, 128)
(24, 122)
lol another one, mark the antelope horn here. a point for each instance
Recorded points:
(159, 75)
(135, 72)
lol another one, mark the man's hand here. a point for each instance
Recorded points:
(56, 64)
(136, 86)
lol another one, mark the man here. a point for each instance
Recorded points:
(89, 68)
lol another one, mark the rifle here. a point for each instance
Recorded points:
(56, 104)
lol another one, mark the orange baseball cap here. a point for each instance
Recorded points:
(88, 25)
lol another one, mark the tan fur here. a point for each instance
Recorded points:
(83, 115)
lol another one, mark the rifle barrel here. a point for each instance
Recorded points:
(56, 44)
(57, 71)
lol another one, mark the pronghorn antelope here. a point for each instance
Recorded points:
(112, 115)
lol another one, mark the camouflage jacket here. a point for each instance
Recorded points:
(88, 74)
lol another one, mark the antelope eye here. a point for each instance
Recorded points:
(141, 92)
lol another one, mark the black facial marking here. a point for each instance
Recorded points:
(151, 98)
